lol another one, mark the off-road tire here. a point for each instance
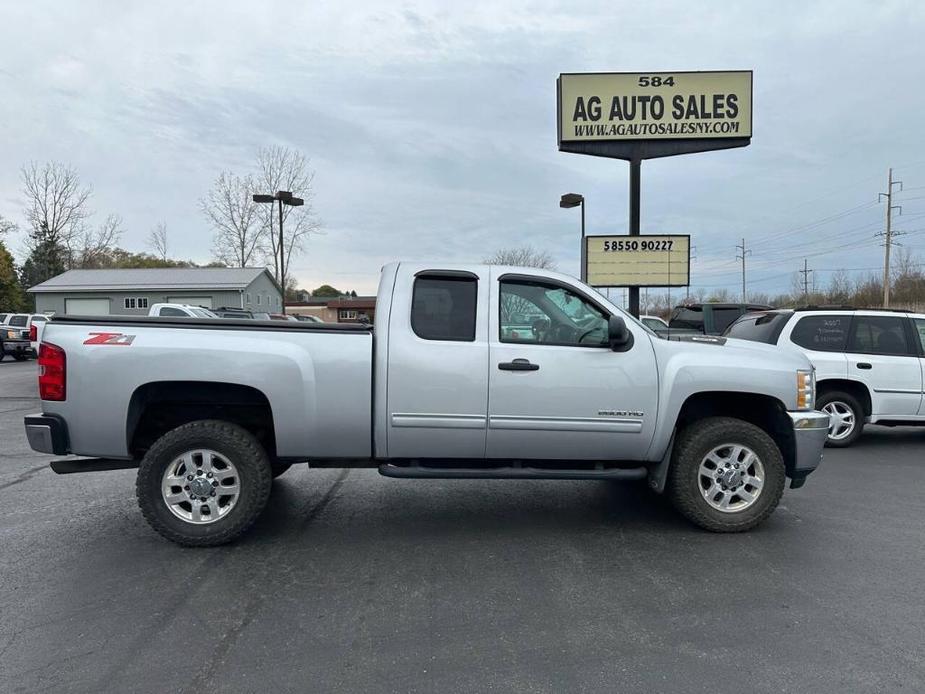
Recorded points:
(693, 443)
(840, 396)
(231, 441)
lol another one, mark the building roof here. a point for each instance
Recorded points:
(353, 302)
(142, 279)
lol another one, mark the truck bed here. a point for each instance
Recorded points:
(316, 377)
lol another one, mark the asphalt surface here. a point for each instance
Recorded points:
(354, 582)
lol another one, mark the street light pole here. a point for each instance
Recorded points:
(568, 201)
(284, 197)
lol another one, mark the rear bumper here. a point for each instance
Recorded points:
(47, 433)
(810, 430)
(17, 347)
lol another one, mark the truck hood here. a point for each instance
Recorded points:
(735, 352)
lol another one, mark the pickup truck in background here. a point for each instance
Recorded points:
(453, 382)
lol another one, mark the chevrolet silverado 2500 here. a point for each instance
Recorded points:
(452, 382)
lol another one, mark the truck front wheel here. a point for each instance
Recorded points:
(204, 483)
(726, 475)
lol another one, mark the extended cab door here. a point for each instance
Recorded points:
(437, 390)
(556, 390)
(881, 353)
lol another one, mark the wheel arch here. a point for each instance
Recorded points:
(764, 411)
(856, 388)
(157, 407)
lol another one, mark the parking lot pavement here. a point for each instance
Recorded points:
(354, 582)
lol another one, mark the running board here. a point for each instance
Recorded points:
(69, 467)
(510, 473)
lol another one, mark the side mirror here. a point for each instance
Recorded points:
(618, 336)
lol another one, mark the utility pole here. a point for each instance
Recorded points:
(888, 233)
(806, 272)
(742, 258)
(693, 257)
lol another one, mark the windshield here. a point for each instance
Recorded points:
(203, 313)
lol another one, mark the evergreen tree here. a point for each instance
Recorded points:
(46, 260)
(11, 294)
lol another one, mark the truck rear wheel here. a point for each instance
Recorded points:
(204, 483)
(726, 475)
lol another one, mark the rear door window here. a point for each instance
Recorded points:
(723, 317)
(170, 311)
(824, 333)
(879, 335)
(443, 308)
(19, 321)
(687, 317)
(758, 327)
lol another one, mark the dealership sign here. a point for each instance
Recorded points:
(638, 261)
(623, 106)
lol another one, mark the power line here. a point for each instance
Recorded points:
(806, 272)
(888, 233)
(742, 258)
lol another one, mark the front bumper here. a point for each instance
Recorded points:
(810, 430)
(47, 433)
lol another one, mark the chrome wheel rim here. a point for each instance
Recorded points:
(731, 478)
(200, 486)
(841, 420)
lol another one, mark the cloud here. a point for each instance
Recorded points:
(432, 125)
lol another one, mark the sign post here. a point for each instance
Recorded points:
(646, 115)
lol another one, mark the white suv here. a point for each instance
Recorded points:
(869, 363)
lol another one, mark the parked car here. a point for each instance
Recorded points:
(180, 311)
(30, 326)
(232, 312)
(13, 343)
(708, 319)
(654, 323)
(282, 316)
(436, 391)
(868, 362)
(306, 318)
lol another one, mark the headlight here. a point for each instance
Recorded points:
(806, 389)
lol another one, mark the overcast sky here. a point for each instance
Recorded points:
(431, 125)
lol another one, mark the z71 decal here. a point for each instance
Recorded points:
(109, 339)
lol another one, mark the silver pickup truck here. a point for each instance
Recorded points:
(471, 371)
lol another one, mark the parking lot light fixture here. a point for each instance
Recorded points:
(568, 201)
(285, 197)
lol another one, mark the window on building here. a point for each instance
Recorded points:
(128, 302)
(443, 308)
(259, 297)
(247, 297)
(135, 302)
(347, 314)
(142, 302)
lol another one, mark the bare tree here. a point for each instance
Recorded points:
(280, 168)
(239, 237)
(157, 240)
(6, 226)
(93, 246)
(56, 203)
(524, 256)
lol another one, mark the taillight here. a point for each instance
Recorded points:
(33, 333)
(52, 372)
